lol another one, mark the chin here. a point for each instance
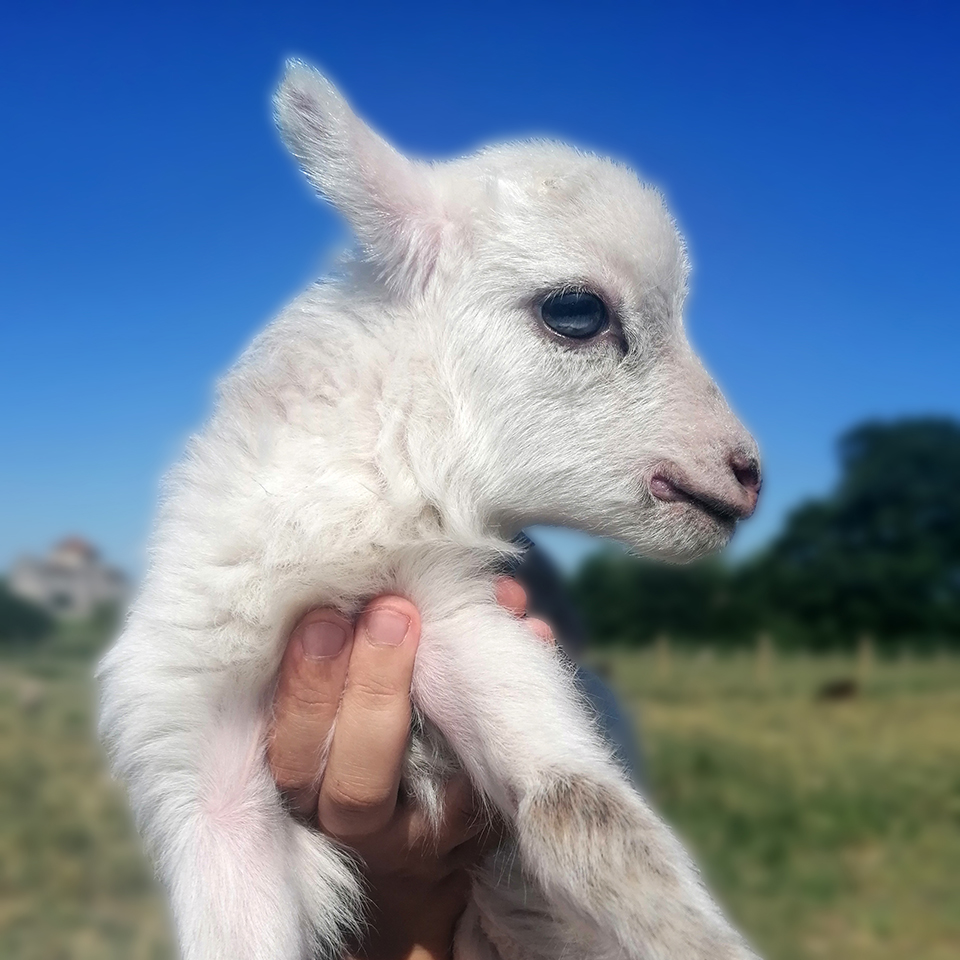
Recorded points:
(680, 534)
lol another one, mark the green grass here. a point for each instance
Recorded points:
(829, 830)
(73, 883)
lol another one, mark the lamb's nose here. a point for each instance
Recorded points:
(746, 469)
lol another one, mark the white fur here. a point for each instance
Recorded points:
(391, 431)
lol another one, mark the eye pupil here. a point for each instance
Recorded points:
(574, 313)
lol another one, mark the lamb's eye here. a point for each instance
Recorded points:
(576, 314)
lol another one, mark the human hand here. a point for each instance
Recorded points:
(359, 676)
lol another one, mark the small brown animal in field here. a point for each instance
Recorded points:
(844, 689)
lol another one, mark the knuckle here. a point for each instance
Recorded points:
(290, 776)
(376, 692)
(351, 804)
(308, 699)
(346, 797)
(297, 750)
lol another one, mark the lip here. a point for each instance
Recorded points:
(670, 486)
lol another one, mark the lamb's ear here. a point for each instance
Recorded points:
(386, 197)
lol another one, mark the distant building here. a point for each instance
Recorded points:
(71, 581)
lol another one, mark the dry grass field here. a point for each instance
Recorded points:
(73, 883)
(830, 829)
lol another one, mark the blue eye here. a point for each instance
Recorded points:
(575, 314)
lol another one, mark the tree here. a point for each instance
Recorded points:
(880, 554)
(627, 600)
(20, 620)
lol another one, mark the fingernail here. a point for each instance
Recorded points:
(385, 627)
(322, 639)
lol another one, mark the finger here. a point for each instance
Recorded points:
(540, 629)
(359, 789)
(511, 596)
(310, 684)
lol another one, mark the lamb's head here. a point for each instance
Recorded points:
(543, 289)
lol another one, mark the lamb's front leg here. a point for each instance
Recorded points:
(246, 880)
(509, 708)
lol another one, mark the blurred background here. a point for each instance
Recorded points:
(798, 697)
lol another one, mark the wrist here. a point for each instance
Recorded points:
(412, 920)
(414, 952)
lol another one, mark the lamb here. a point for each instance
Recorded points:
(505, 347)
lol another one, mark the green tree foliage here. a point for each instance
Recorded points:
(20, 620)
(626, 600)
(880, 554)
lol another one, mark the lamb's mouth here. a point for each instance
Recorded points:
(671, 486)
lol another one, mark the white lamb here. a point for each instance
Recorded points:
(506, 348)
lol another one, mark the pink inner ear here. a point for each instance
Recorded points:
(408, 230)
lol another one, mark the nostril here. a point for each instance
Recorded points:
(747, 471)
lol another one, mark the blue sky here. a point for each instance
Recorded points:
(150, 222)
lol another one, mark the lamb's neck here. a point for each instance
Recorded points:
(382, 409)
